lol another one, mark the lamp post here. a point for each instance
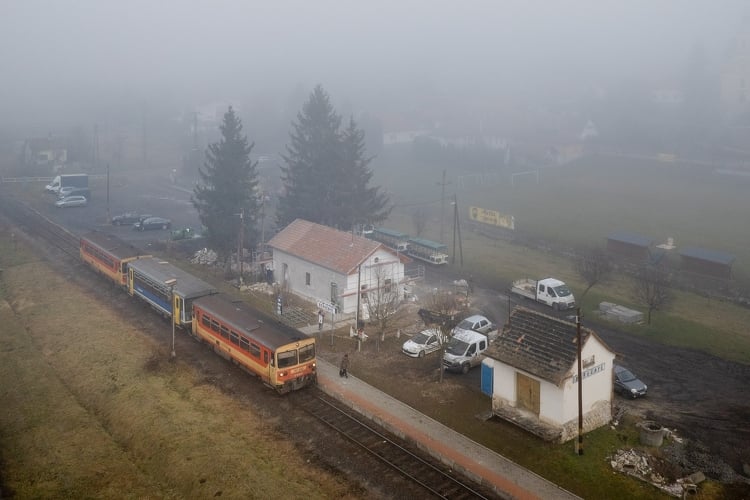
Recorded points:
(171, 283)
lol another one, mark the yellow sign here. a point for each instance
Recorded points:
(492, 217)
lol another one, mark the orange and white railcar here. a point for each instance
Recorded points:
(284, 360)
(109, 255)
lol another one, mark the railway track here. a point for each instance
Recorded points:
(36, 224)
(432, 476)
(428, 474)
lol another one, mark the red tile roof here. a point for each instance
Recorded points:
(324, 246)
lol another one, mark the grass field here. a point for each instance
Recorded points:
(579, 205)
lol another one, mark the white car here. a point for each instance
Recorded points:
(424, 342)
(478, 324)
(72, 201)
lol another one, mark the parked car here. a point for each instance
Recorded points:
(129, 218)
(152, 223)
(72, 201)
(477, 323)
(628, 384)
(424, 342)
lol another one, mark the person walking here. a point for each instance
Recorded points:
(344, 367)
(320, 319)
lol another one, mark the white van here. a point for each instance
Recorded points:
(465, 350)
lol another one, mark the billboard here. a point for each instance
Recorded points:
(492, 217)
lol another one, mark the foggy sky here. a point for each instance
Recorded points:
(64, 58)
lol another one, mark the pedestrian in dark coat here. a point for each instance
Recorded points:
(320, 319)
(344, 367)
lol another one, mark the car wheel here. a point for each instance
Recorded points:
(421, 354)
(465, 368)
(556, 306)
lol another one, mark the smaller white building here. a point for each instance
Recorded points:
(319, 263)
(531, 372)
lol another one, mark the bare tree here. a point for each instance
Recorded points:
(382, 301)
(442, 311)
(419, 218)
(593, 265)
(652, 288)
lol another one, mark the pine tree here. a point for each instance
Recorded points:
(326, 175)
(227, 189)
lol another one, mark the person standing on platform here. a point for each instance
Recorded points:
(344, 367)
(320, 319)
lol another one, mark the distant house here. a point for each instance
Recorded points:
(712, 263)
(531, 373)
(630, 246)
(320, 263)
(45, 151)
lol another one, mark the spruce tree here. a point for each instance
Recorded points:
(227, 189)
(327, 174)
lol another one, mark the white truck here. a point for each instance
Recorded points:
(75, 181)
(550, 291)
(464, 350)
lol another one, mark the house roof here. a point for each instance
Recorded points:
(539, 344)
(322, 245)
(716, 256)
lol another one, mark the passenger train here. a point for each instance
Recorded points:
(418, 248)
(283, 360)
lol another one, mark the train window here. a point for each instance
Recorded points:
(287, 358)
(225, 332)
(234, 338)
(387, 286)
(214, 325)
(265, 356)
(255, 351)
(306, 353)
(206, 320)
(244, 344)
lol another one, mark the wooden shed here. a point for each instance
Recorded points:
(631, 246)
(712, 263)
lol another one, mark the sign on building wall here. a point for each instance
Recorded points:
(492, 217)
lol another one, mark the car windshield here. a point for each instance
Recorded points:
(466, 325)
(625, 375)
(457, 347)
(562, 290)
(420, 338)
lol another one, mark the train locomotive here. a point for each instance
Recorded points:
(283, 360)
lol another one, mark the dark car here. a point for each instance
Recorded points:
(128, 218)
(152, 223)
(628, 384)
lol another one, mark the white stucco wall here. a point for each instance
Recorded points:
(321, 278)
(559, 405)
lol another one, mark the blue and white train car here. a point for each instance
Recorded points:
(167, 288)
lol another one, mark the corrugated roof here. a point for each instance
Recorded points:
(631, 238)
(539, 344)
(324, 246)
(709, 255)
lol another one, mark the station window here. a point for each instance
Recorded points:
(308, 280)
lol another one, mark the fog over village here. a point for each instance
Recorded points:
(480, 66)
(526, 220)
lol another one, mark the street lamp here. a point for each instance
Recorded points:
(171, 283)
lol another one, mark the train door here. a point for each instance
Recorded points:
(177, 310)
(131, 280)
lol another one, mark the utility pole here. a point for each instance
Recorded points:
(95, 148)
(442, 205)
(109, 219)
(457, 228)
(143, 137)
(580, 383)
(242, 239)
